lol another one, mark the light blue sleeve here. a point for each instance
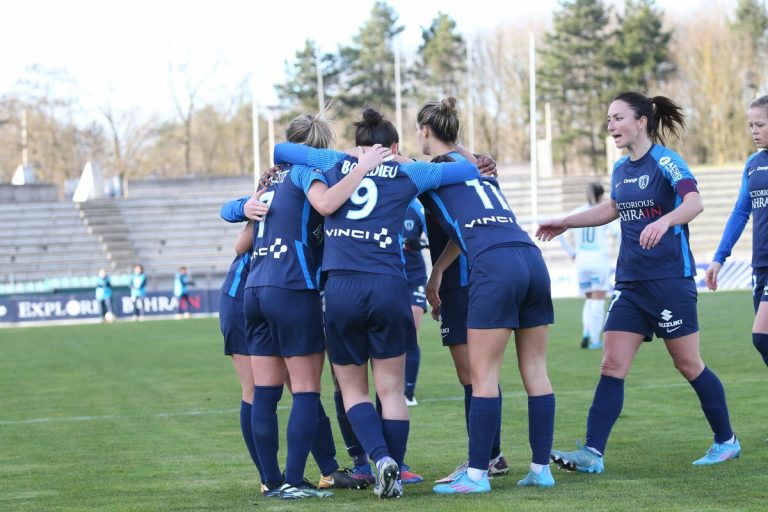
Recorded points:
(736, 222)
(303, 176)
(232, 211)
(429, 176)
(324, 159)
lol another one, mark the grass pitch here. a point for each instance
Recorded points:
(144, 416)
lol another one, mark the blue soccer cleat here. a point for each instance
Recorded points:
(719, 452)
(582, 460)
(409, 477)
(363, 472)
(543, 479)
(464, 485)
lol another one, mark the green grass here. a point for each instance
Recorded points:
(100, 417)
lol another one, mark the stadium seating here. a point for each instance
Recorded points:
(164, 224)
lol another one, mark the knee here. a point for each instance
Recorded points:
(690, 368)
(614, 367)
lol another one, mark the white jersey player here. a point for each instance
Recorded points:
(593, 256)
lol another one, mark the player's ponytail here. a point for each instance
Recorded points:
(442, 118)
(665, 117)
(595, 192)
(373, 128)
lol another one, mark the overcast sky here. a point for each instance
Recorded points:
(121, 50)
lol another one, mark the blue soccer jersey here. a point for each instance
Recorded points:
(138, 285)
(180, 284)
(643, 191)
(752, 200)
(234, 282)
(476, 215)
(287, 244)
(413, 227)
(365, 233)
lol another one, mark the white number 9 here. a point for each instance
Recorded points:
(365, 199)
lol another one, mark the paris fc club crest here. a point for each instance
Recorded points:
(643, 182)
(409, 224)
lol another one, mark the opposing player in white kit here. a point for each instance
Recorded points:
(593, 257)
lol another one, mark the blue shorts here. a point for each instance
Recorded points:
(283, 323)
(418, 292)
(664, 307)
(509, 287)
(759, 286)
(454, 304)
(367, 316)
(232, 322)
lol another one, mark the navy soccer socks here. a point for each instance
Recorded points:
(302, 427)
(760, 341)
(245, 427)
(541, 427)
(712, 397)
(368, 429)
(484, 415)
(265, 430)
(605, 410)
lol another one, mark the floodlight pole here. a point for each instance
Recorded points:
(255, 121)
(534, 156)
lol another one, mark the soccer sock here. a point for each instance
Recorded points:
(367, 426)
(245, 427)
(323, 447)
(596, 319)
(302, 427)
(467, 404)
(484, 414)
(605, 410)
(354, 448)
(496, 446)
(412, 360)
(265, 430)
(541, 427)
(760, 341)
(378, 405)
(396, 436)
(585, 318)
(712, 398)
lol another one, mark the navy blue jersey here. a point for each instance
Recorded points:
(234, 282)
(753, 199)
(365, 233)
(413, 227)
(287, 244)
(476, 216)
(643, 191)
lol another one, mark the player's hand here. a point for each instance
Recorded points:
(550, 229)
(653, 232)
(710, 276)
(372, 157)
(433, 286)
(254, 208)
(264, 180)
(435, 314)
(487, 166)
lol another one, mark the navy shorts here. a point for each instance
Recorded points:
(454, 304)
(664, 307)
(418, 291)
(759, 286)
(509, 287)
(367, 316)
(232, 322)
(283, 323)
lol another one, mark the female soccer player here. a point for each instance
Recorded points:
(138, 285)
(654, 194)
(283, 309)
(753, 199)
(438, 135)
(593, 267)
(509, 290)
(416, 274)
(363, 261)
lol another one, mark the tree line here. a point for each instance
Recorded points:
(710, 62)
